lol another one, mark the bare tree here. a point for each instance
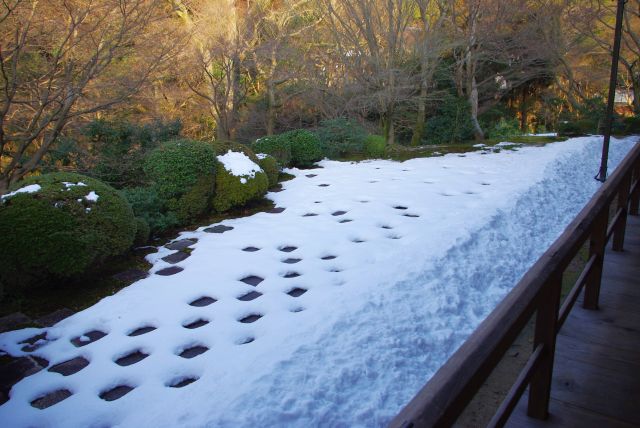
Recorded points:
(595, 19)
(500, 47)
(429, 47)
(280, 50)
(223, 31)
(64, 59)
(369, 37)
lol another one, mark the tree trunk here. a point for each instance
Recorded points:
(473, 100)
(388, 128)
(523, 110)
(271, 107)
(236, 97)
(418, 129)
(4, 185)
(636, 95)
(271, 94)
(222, 129)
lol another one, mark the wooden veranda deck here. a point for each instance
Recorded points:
(596, 375)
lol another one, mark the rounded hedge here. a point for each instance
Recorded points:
(270, 166)
(305, 147)
(224, 146)
(374, 146)
(294, 148)
(68, 223)
(236, 190)
(276, 146)
(183, 175)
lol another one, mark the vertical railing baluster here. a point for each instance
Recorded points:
(597, 244)
(635, 196)
(623, 202)
(545, 334)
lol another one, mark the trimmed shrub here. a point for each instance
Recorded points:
(276, 146)
(270, 166)
(340, 137)
(142, 232)
(374, 146)
(68, 224)
(183, 175)
(223, 147)
(294, 148)
(305, 147)
(236, 190)
(195, 202)
(177, 165)
(151, 208)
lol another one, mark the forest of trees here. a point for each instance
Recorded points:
(414, 71)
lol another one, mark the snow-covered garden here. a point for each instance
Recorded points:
(332, 309)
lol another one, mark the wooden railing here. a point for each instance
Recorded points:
(445, 396)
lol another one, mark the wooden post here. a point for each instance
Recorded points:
(635, 196)
(613, 82)
(597, 245)
(623, 202)
(545, 334)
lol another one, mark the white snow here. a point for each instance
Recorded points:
(31, 188)
(545, 134)
(92, 197)
(402, 293)
(239, 164)
(69, 184)
(479, 145)
(261, 155)
(507, 143)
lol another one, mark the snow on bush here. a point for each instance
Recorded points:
(61, 229)
(238, 181)
(32, 188)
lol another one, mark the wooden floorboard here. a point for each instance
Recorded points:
(596, 379)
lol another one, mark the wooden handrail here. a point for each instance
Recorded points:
(445, 396)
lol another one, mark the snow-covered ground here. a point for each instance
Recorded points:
(400, 262)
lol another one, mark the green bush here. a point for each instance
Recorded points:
(63, 228)
(504, 128)
(195, 202)
(142, 232)
(276, 146)
(223, 147)
(233, 190)
(451, 123)
(116, 150)
(305, 147)
(183, 175)
(177, 165)
(577, 127)
(270, 166)
(151, 208)
(340, 137)
(299, 148)
(374, 146)
(631, 125)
